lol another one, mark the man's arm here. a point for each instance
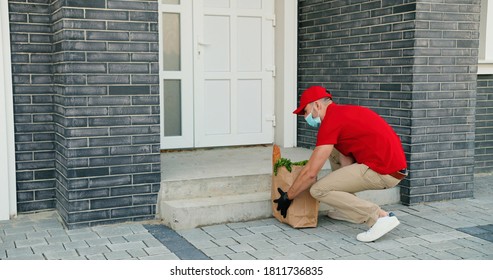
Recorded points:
(308, 175)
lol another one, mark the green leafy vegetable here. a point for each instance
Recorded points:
(288, 164)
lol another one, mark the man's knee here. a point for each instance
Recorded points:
(317, 190)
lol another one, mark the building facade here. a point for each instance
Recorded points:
(96, 86)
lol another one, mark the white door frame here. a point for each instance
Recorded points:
(8, 201)
(286, 35)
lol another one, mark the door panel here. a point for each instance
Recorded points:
(217, 104)
(233, 84)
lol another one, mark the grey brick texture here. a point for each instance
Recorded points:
(414, 63)
(484, 125)
(33, 104)
(87, 122)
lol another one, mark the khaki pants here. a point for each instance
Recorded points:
(337, 189)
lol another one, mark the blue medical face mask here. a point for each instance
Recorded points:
(313, 122)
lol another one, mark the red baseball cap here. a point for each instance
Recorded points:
(310, 95)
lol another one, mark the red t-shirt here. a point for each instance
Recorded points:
(362, 134)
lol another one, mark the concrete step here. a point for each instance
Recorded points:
(216, 186)
(196, 212)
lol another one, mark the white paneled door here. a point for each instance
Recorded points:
(233, 71)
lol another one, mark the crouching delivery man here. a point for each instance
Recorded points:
(365, 154)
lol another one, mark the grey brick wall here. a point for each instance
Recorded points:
(484, 125)
(413, 62)
(102, 73)
(33, 104)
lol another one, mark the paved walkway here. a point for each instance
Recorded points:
(458, 229)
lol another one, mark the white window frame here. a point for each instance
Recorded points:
(185, 75)
(8, 200)
(485, 60)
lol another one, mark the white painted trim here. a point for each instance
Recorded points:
(185, 76)
(485, 68)
(8, 200)
(486, 31)
(286, 76)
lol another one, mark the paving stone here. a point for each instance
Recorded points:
(204, 244)
(19, 252)
(57, 239)
(264, 229)
(321, 255)
(63, 255)
(305, 239)
(261, 244)
(217, 251)
(443, 246)
(293, 256)
(288, 249)
(380, 255)
(240, 256)
(83, 236)
(265, 254)
(356, 257)
(241, 248)
(161, 250)
(32, 257)
(150, 242)
(223, 234)
(443, 255)
(225, 241)
(399, 252)
(95, 257)
(48, 248)
(251, 238)
(465, 253)
(418, 249)
(160, 257)
(127, 246)
(110, 231)
(437, 237)
(117, 239)
(93, 250)
(238, 225)
(243, 231)
(19, 230)
(7, 245)
(98, 242)
(194, 234)
(358, 249)
(215, 228)
(412, 241)
(137, 228)
(3, 254)
(118, 255)
(137, 253)
(219, 257)
(138, 236)
(30, 242)
(424, 257)
(75, 245)
(57, 232)
(38, 235)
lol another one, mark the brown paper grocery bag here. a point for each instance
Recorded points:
(303, 212)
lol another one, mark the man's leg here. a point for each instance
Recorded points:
(337, 190)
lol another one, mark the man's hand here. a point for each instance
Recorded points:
(283, 202)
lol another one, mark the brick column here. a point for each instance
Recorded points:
(444, 100)
(106, 110)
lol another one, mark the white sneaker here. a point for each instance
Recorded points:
(381, 227)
